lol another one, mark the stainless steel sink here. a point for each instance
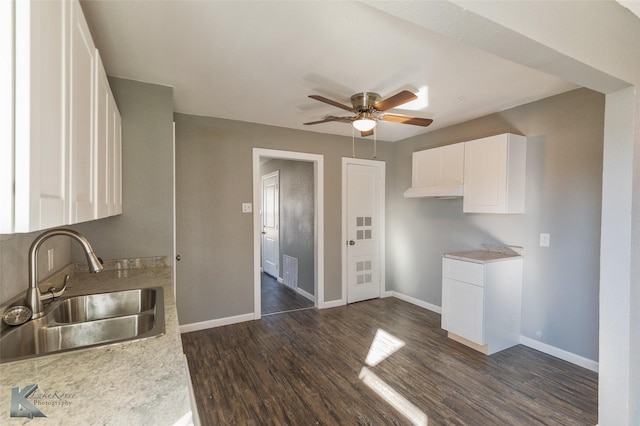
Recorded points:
(86, 321)
(105, 305)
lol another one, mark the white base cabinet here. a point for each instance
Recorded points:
(481, 302)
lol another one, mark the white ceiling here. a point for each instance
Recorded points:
(258, 62)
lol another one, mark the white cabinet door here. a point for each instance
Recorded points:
(81, 75)
(463, 310)
(109, 148)
(7, 116)
(104, 142)
(437, 171)
(40, 142)
(438, 166)
(451, 165)
(115, 206)
(494, 174)
(425, 168)
(486, 172)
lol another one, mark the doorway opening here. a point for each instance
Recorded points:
(294, 246)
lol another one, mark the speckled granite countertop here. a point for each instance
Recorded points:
(131, 383)
(487, 254)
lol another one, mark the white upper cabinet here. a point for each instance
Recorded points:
(494, 174)
(82, 87)
(104, 142)
(108, 144)
(40, 141)
(7, 115)
(115, 163)
(51, 162)
(438, 172)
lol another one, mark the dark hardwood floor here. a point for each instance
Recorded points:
(276, 297)
(304, 368)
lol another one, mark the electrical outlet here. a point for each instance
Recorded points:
(50, 259)
(538, 334)
(545, 240)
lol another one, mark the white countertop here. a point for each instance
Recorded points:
(132, 383)
(482, 256)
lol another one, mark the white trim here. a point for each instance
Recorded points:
(305, 294)
(334, 303)
(381, 165)
(526, 341)
(417, 302)
(203, 325)
(560, 353)
(318, 161)
(175, 239)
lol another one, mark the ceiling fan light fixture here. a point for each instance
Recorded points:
(364, 123)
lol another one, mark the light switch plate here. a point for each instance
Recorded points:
(246, 208)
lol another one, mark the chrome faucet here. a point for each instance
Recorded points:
(34, 298)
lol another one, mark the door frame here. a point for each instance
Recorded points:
(318, 187)
(270, 175)
(381, 165)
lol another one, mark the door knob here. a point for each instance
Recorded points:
(352, 243)
(178, 258)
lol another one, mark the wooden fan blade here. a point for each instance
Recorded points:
(329, 119)
(330, 102)
(317, 122)
(405, 119)
(367, 133)
(395, 100)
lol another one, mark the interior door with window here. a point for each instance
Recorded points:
(364, 226)
(271, 224)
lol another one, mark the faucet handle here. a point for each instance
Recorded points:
(55, 292)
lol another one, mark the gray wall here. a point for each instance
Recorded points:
(563, 198)
(14, 261)
(214, 238)
(296, 216)
(145, 227)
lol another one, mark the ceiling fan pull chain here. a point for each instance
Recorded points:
(375, 146)
(353, 142)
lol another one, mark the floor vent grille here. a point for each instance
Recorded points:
(290, 271)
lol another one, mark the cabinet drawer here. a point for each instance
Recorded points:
(460, 270)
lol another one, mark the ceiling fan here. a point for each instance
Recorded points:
(369, 108)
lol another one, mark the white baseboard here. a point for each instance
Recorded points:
(333, 304)
(417, 302)
(305, 294)
(542, 347)
(560, 353)
(186, 328)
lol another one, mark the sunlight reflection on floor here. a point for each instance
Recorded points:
(383, 346)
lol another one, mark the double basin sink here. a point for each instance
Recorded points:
(86, 321)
